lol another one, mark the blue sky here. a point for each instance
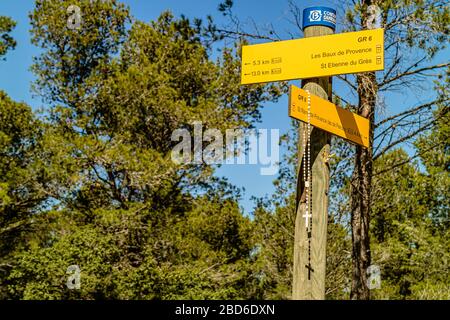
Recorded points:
(15, 77)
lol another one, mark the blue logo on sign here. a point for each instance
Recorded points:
(319, 16)
(315, 15)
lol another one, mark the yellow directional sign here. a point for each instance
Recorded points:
(350, 52)
(329, 117)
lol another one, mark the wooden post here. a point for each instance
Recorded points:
(310, 254)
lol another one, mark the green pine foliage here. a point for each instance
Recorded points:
(117, 205)
(6, 41)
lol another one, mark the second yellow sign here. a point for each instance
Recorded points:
(328, 117)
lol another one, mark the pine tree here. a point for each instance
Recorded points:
(136, 223)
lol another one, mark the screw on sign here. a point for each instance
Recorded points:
(316, 57)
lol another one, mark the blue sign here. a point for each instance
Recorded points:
(319, 16)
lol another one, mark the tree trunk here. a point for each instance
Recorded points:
(362, 179)
(361, 191)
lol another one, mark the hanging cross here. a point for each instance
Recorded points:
(307, 216)
(310, 269)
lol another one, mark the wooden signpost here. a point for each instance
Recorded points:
(314, 59)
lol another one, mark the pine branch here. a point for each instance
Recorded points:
(413, 72)
(344, 78)
(14, 226)
(409, 112)
(407, 160)
(245, 34)
(405, 19)
(396, 61)
(409, 136)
